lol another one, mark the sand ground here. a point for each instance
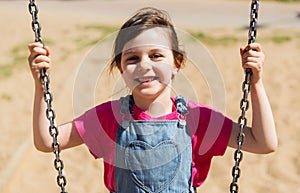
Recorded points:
(65, 28)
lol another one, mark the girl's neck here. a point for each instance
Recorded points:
(155, 107)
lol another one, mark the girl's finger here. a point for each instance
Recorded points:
(33, 45)
(42, 58)
(253, 62)
(37, 66)
(37, 52)
(251, 48)
(41, 65)
(38, 49)
(254, 46)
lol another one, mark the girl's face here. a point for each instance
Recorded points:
(147, 63)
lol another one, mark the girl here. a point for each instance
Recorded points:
(150, 141)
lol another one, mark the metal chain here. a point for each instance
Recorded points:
(244, 104)
(48, 98)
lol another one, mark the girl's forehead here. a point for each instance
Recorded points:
(145, 47)
(155, 38)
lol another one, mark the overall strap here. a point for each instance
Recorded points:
(126, 110)
(182, 109)
(126, 105)
(181, 105)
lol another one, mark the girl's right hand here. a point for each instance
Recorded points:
(38, 59)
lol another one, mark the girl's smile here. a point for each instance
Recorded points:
(146, 79)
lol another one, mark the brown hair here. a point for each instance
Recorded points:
(143, 19)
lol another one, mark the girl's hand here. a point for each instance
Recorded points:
(38, 59)
(252, 57)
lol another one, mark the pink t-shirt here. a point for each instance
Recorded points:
(210, 132)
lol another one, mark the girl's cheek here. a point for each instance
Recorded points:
(165, 78)
(165, 70)
(128, 78)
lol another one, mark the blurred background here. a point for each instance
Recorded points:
(77, 31)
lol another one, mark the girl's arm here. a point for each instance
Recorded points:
(261, 137)
(68, 136)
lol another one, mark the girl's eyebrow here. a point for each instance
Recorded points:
(158, 49)
(129, 51)
(153, 47)
(132, 51)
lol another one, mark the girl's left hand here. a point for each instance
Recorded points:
(252, 57)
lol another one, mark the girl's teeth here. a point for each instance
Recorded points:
(145, 80)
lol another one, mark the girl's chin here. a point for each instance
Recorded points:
(149, 92)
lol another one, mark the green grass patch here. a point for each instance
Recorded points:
(85, 41)
(6, 71)
(101, 28)
(280, 39)
(227, 40)
(18, 55)
(6, 97)
(224, 40)
(92, 34)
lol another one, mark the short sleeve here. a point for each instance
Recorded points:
(210, 131)
(97, 129)
(222, 140)
(211, 128)
(88, 126)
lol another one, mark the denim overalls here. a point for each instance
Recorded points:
(153, 156)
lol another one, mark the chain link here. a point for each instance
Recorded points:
(48, 98)
(244, 104)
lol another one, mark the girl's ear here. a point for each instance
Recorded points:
(175, 71)
(178, 61)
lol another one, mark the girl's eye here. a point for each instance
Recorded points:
(132, 59)
(156, 56)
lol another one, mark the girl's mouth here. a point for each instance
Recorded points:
(146, 79)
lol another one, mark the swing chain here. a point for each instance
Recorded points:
(253, 21)
(244, 104)
(35, 24)
(48, 98)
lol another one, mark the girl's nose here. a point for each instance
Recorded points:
(145, 65)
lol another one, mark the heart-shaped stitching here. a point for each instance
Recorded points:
(153, 168)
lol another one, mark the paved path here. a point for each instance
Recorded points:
(189, 13)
